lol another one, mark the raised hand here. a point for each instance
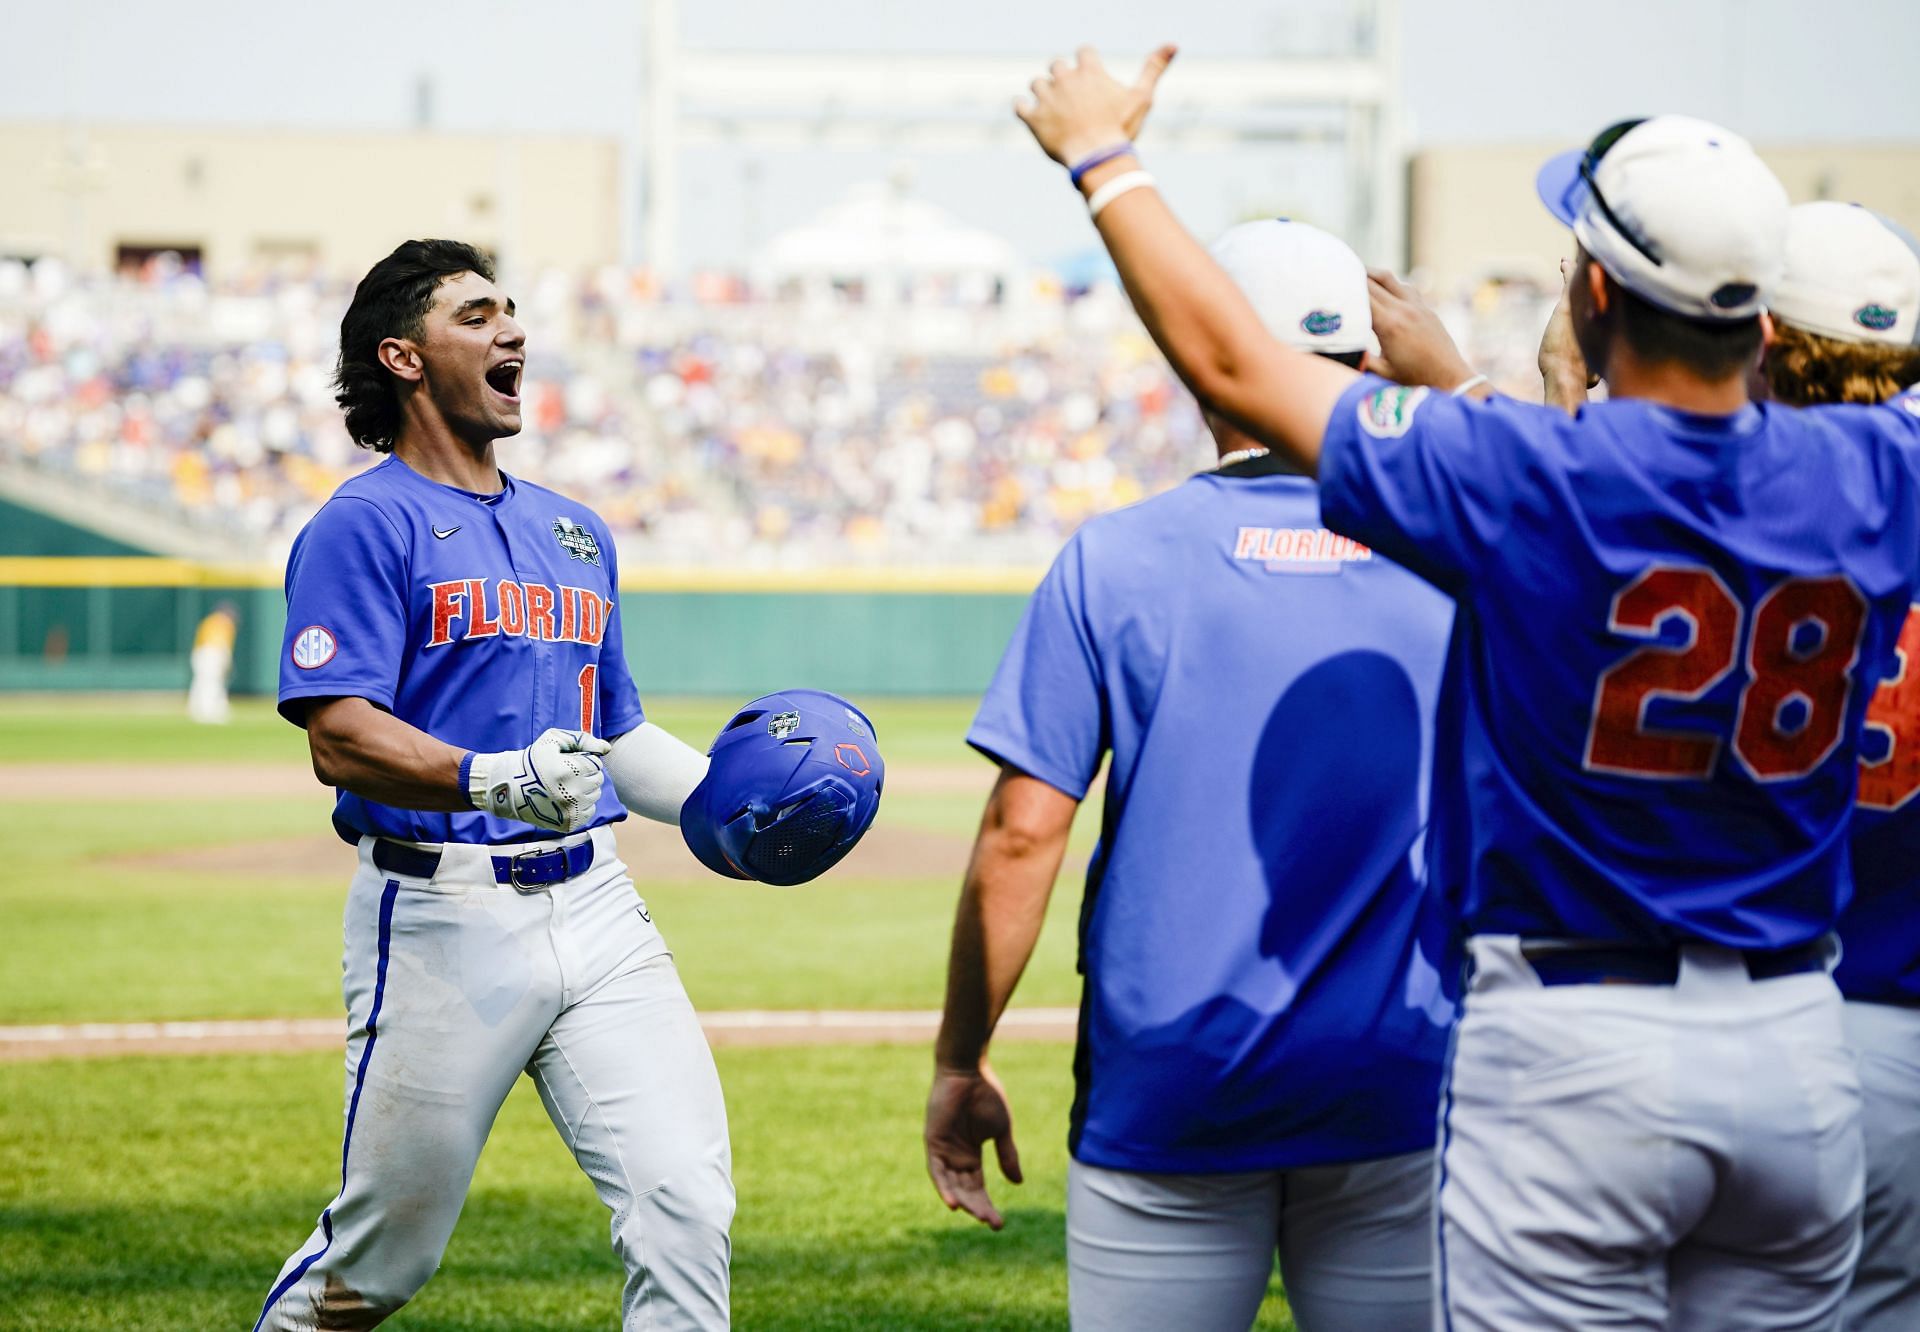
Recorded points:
(1415, 347)
(1078, 107)
(1564, 376)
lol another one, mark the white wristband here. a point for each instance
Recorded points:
(1113, 189)
(1466, 386)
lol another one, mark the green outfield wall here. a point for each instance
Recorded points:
(94, 624)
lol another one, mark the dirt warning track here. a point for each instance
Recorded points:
(744, 1027)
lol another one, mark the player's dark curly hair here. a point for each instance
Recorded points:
(1805, 369)
(391, 301)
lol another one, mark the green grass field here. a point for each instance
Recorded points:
(164, 1191)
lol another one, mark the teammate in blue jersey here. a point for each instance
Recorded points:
(453, 650)
(1673, 610)
(1848, 330)
(1266, 1002)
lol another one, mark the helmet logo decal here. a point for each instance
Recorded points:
(783, 724)
(852, 759)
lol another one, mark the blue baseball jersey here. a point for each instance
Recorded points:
(1264, 985)
(1670, 627)
(1880, 932)
(481, 620)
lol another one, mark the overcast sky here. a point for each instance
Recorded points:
(1475, 71)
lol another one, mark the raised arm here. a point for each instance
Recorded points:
(1016, 856)
(1201, 321)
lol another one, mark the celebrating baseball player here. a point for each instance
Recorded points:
(1673, 612)
(1846, 320)
(1266, 1000)
(453, 649)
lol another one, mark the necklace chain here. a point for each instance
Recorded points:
(1241, 455)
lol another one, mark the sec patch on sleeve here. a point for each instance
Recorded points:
(313, 647)
(1387, 412)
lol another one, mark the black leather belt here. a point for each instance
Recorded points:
(527, 870)
(1557, 963)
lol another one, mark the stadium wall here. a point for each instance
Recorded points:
(105, 624)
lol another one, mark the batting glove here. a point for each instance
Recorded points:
(553, 783)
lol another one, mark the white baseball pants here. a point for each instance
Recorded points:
(1149, 1253)
(1648, 1157)
(1886, 1285)
(454, 987)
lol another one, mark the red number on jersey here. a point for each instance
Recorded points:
(587, 674)
(1800, 660)
(1618, 738)
(1891, 781)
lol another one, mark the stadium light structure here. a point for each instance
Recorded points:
(933, 103)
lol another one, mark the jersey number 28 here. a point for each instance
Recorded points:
(1800, 653)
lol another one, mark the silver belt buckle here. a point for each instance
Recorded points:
(513, 874)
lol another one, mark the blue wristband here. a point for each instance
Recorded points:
(1086, 164)
(466, 768)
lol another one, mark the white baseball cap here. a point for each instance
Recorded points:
(1851, 274)
(1678, 211)
(1308, 287)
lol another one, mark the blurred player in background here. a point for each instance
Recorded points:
(210, 664)
(454, 650)
(1265, 1009)
(1845, 327)
(1649, 735)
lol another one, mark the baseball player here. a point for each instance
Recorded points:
(1672, 613)
(1845, 320)
(1266, 1003)
(453, 649)
(209, 665)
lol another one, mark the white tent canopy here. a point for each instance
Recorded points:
(888, 242)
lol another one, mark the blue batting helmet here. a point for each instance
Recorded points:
(794, 782)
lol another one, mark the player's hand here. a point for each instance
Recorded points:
(1078, 108)
(553, 783)
(1563, 366)
(1415, 347)
(965, 1108)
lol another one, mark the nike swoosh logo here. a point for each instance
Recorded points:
(444, 535)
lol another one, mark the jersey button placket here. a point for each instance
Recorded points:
(541, 712)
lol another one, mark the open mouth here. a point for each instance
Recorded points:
(504, 379)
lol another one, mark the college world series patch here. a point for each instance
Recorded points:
(577, 540)
(1387, 412)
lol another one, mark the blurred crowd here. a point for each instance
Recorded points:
(706, 435)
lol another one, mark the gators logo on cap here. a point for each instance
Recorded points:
(1876, 317)
(1321, 323)
(1387, 412)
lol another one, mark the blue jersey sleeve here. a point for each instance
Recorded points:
(620, 709)
(347, 581)
(1045, 712)
(1427, 480)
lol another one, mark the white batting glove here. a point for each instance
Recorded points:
(552, 783)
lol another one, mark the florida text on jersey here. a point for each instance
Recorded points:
(481, 619)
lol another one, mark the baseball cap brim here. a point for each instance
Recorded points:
(1559, 184)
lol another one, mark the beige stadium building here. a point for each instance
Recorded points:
(242, 201)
